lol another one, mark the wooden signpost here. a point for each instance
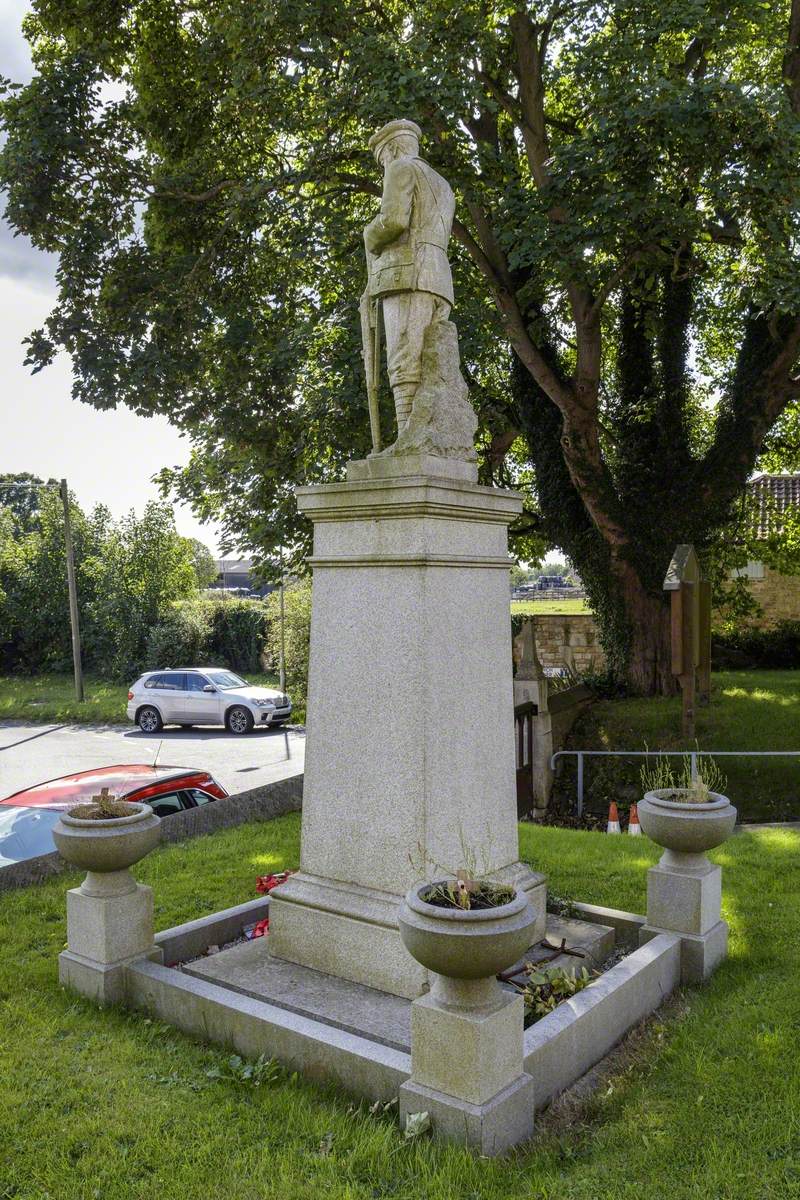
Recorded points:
(691, 631)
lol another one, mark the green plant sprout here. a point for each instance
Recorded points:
(690, 788)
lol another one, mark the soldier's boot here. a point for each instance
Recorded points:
(403, 402)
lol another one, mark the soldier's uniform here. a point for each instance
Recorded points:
(408, 265)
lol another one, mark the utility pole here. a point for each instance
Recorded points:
(73, 596)
(282, 660)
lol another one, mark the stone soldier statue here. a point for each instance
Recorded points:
(407, 255)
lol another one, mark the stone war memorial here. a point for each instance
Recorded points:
(369, 976)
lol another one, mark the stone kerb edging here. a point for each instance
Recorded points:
(558, 1049)
(258, 804)
(578, 1033)
(253, 1027)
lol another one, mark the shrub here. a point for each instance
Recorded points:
(778, 647)
(297, 623)
(182, 638)
(238, 633)
(225, 632)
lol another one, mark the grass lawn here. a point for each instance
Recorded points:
(113, 1106)
(543, 608)
(749, 710)
(52, 698)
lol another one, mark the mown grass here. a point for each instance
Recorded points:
(543, 608)
(113, 1106)
(49, 698)
(749, 710)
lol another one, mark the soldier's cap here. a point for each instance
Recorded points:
(392, 130)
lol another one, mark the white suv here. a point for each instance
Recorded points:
(204, 696)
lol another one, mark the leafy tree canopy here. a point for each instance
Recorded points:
(128, 574)
(20, 495)
(205, 566)
(628, 293)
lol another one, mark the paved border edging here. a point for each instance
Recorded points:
(259, 804)
(559, 1049)
(562, 1047)
(626, 925)
(194, 937)
(253, 1027)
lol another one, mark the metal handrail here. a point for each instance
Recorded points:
(691, 754)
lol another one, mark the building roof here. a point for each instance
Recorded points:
(773, 494)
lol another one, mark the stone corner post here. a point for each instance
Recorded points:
(467, 1068)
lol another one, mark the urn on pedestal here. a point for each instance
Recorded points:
(467, 1033)
(110, 916)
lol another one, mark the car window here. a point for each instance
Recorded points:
(198, 796)
(170, 681)
(164, 806)
(195, 683)
(226, 679)
(25, 833)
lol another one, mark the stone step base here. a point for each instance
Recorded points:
(249, 969)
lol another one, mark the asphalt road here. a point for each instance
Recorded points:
(31, 754)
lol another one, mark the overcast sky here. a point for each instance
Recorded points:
(108, 457)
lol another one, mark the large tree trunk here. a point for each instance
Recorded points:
(648, 668)
(623, 583)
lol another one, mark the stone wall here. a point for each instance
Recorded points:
(568, 640)
(779, 597)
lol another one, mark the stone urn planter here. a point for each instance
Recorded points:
(466, 946)
(106, 848)
(686, 829)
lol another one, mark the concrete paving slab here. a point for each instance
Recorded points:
(31, 754)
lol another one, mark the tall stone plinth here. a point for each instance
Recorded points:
(410, 756)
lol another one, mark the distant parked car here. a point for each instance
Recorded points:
(27, 818)
(204, 696)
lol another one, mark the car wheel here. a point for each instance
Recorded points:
(149, 720)
(239, 720)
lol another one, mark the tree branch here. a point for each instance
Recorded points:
(791, 59)
(531, 95)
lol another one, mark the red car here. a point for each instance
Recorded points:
(27, 817)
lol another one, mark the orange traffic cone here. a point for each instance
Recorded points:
(613, 818)
(634, 828)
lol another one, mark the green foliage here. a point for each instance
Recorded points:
(627, 182)
(214, 630)
(128, 573)
(261, 1070)
(205, 567)
(143, 566)
(181, 637)
(546, 989)
(20, 496)
(297, 625)
(238, 633)
(777, 648)
(692, 787)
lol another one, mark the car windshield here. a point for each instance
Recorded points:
(225, 679)
(25, 833)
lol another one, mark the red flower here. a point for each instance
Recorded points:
(265, 883)
(261, 927)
